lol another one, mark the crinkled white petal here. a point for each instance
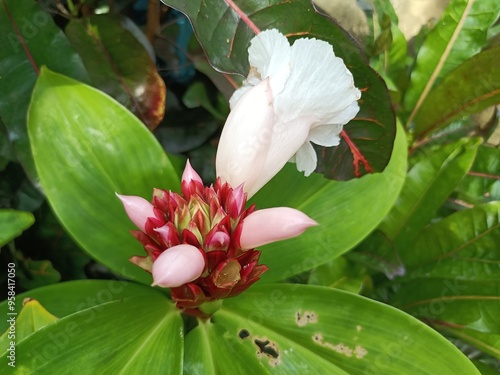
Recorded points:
(326, 135)
(306, 159)
(269, 56)
(312, 97)
(319, 84)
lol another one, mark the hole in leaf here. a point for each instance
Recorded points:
(266, 348)
(243, 334)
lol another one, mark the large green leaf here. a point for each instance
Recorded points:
(452, 301)
(225, 35)
(346, 212)
(393, 61)
(69, 297)
(454, 270)
(31, 318)
(29, 39)
(488, 343)
(13, 223)
(119, 65)
(470, 88)
(460, 34)
(464, 245)
(86, 148)
(427, 185)
(285, 328)
(141, 334)
(482, 183)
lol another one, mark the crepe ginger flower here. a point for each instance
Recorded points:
(201, 243)
(292, 96)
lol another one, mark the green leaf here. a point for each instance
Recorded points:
(485, 342)
(141, 334)
(452, 301)
(470, 88)
(453, 271)
(460, 34)
(336, 206)
(29, 39)
(86, 148)
(339, 273)
(368, 139)
(429, 182)
(13, 223)
(66, 298)
(463, 245)
(119, 65)
(279, 328)
(482, 183)
(32, 317)
(36, 273)
(197, 96)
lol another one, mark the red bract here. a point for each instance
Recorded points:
(210, 219)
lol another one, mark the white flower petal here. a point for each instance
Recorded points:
(246, 137)
(306, 159)
(326, 135)
(269, 56)
(319, 84)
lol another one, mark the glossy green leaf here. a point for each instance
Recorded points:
(339, 273)
(13, 223)
(429, 182)
(463, 245)
(29, 39)
(393, 61)
(336, 206)
(66, 298)
(225, 37)
(471, 87)
(119, 65)
(31, 318)
(452, 301)
(482, 183)
(285, 328)
(485, 342)
(86, 148)
(141, 334)
(460, 34)
(36, 273)
(454, 270)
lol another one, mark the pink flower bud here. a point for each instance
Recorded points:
(190, 174)
(273, 224)
(138, 209)
(178, 265)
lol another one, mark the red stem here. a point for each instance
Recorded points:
(357, 155)
(243, 16)
(20, 37)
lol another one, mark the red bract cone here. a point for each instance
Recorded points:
(209, 219)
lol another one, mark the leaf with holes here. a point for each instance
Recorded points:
(225, 28)
(279, 328)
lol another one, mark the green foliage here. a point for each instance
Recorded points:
(425, 241)
(83, 160)
(13, 223)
